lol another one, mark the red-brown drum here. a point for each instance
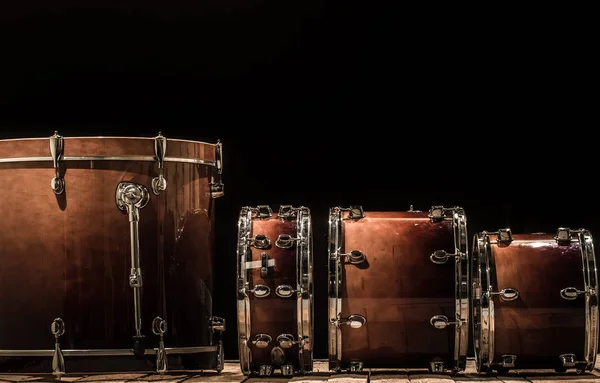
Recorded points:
(275, 290)
(107, 254)
(535, 302)
(398, 289)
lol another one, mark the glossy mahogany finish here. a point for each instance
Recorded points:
(68, 255)
(398, 289)
(539, 325)
(274, 315)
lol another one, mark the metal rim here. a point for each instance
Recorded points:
(243, 301)
(482, 307)
(334, 272)
(590, 279)
(305, 313)
(104, 137)
(109, 158)
(461, 295)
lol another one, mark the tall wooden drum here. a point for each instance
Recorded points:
(398, 289)
(108, 254)
(535, 301)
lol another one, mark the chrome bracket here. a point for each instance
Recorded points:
(287, 370)
(263, 211)
(440, 322)
(504, 236)
(159, 327)
(507, 294)
(439, 257)
(217, 188)
(57, 151)
(265, 370)
(264, 265)
(436, 366)
(262, 340)
(568, 360)
(159, 184)
(355, 366)
(285, 241)
(354, 321)
(437, 213)
(217, 326)
(563, 236)
(58, 360)
(260, 241)
(287, 211)
(355, 257)
(131, 198)
(285, 291)
(571, 293)
(355, 212)
(508, 360)
(287, 341)
(259, 291)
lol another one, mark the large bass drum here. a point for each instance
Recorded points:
(398, 289)
(275, 290)
(108, 254)
(535, 302)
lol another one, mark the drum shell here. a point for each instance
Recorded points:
(274, 315)
(398, 289)
(539, 326)
(68, 255)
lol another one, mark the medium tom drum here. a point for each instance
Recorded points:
(107, 248)
(398, 295)
(275, 290)
(535, 302)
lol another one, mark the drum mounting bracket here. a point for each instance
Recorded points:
(159, 184)
(57, 151)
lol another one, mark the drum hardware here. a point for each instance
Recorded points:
(568, 360)
(436, 366)
(440, 257)
(131, 198)
(437, 213)
(262, 211)
(159, 327)
(259, 291)
(57, 151)
(508, 360)
(58, 360)
(264, 265)
(412, 210)
(504, 236)
(355, 212)
(571, 293)
(265, 370)
(355, 366)
(354, 257)
(354, 321)
(217, 326)
(287, 211)
(285, 291)
(217, 188)
(287, 341)
(563, 236)
(260, 241)
(287, 370)
(507, 294)
(440, 322)
(262, 340)
(159, 184)
(285, 241)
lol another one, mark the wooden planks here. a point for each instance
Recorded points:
(232, 374)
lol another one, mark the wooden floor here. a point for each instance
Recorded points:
(232, 374)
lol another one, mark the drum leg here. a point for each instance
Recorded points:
(217, 326)
(58, 360)
(356, 366)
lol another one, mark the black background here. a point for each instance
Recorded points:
(325, 103)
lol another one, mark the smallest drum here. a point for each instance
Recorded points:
(275, 290)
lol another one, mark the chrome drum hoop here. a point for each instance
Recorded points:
(482, 306)
(590, 279)
(462, 265)
(304, 267)
(243, 301)
(334, 268)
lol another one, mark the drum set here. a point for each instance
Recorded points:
(82, 292)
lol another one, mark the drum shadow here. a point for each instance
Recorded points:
(551, 375)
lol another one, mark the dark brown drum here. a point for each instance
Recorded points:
(108, 254)
(535, 301)
(398, 295)
(275, 290)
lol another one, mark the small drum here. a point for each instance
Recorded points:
(398, 295)
(108, 254)
(535, 302)
(275, 290)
